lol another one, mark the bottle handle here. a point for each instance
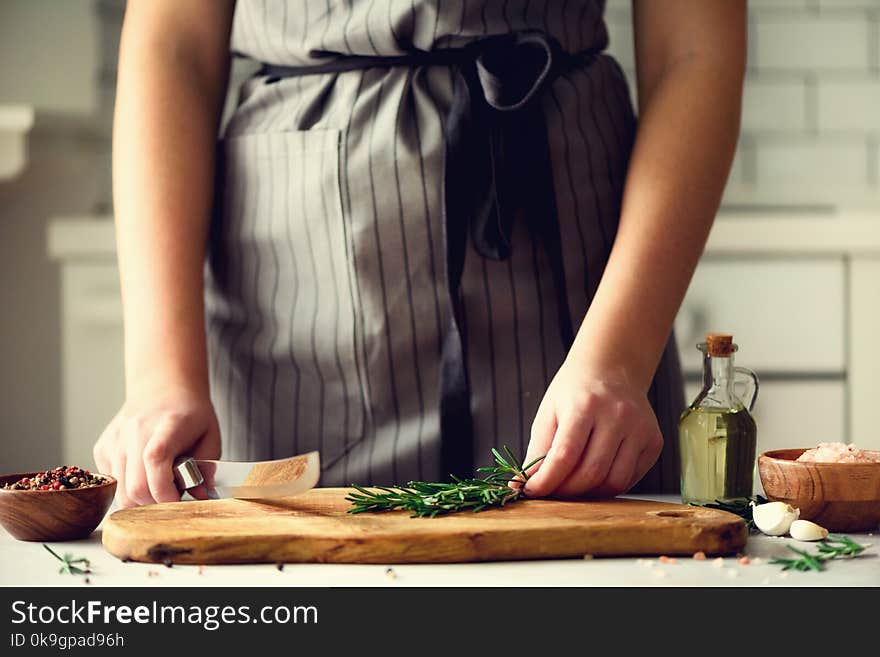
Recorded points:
(752, 385)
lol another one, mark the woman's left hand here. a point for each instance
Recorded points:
(599, 434)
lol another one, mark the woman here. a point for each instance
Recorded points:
(437, 229)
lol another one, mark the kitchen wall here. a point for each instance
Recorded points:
(811, 108)
(49, 59)
(48, 51)
(811, 130)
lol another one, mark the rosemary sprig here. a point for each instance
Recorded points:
(742, 507)
(427, 500)
(833, 547)
(69, 563)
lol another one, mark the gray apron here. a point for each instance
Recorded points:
(334, 309)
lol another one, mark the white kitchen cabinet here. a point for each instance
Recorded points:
(786, 315)
(92, 347)
(789, 318)
(15, 122)
(820, 320)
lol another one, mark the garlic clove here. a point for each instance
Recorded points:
(805, 530)
(774, 518)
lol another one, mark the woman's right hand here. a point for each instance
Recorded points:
(142, 441)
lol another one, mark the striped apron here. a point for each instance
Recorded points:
(407, 228)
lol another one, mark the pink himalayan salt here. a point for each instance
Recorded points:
(838, 453)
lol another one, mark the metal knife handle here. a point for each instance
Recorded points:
(187, 474)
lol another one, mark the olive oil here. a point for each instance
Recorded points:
(717, 454)
(717, 434)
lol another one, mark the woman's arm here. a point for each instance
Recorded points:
(595, 423)
(173, 66)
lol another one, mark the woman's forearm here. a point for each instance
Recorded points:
(686, 139)
(172, 78)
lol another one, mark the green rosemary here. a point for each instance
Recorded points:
(741, 507)
(427, 500)
(70, 564)
(833, 547)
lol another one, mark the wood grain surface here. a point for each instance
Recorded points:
(315, 527)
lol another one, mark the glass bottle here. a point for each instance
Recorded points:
(717, 434)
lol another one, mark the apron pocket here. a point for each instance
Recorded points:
(284, 366)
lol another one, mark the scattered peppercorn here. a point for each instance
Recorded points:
(279, 566)
(168, 563)
(60, 478)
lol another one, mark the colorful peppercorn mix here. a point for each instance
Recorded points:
(61, 478)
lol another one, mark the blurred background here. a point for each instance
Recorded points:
(792, 267)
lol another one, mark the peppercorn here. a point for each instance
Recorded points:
(60, 478)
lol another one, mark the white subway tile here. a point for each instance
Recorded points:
(831, 161)
(620, 41)
(874, 43)
(779, 4)
(774, 105)
(804, 43)
(616, 8)
(848, 4)
(741, 168)
(849, 105)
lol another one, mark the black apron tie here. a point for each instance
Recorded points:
(497, 170)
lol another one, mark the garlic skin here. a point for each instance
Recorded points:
(805, 530)
(774, 518)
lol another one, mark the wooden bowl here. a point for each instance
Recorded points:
(842, 497)
(53, 515)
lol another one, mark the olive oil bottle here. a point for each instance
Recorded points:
(717, 434)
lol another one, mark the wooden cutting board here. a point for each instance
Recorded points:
(315, 527)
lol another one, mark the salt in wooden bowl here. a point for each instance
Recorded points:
(53, 515)
(842, 497)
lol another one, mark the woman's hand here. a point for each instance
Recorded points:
(140, 444)
(599, 433)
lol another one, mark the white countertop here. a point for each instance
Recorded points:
(28, 564)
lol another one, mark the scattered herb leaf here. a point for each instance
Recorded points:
(70, 564)
(833, 547)
(427, 500)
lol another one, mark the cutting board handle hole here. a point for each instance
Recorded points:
(673, 514)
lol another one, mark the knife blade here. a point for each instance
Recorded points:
(250, 479)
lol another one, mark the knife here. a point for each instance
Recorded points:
(250, 479)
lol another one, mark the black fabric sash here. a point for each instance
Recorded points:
(497, 170)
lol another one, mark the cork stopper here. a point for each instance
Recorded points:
(719, 344)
